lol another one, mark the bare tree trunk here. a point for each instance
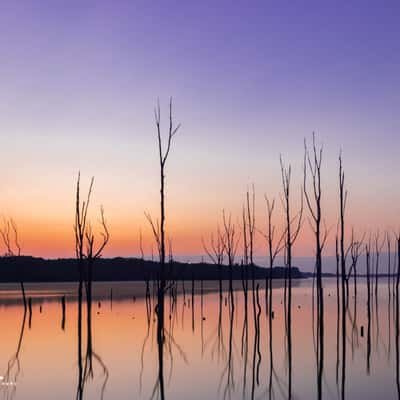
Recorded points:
(368, 309)
(343, 198)
(313, 164)
(290, 239)
(160, 237)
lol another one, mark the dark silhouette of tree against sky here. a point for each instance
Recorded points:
(87, 252)
(342, 202)
(292, 230)
(9, 234)
(10, 237)
(81, 211)
(159, 233)
(312, 164)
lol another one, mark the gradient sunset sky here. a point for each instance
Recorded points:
(250, 80)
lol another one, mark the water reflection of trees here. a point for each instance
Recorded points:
(244, 371)
(244, 375)
(12, 373)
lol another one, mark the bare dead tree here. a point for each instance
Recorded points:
(80, 226)
(87, 252)
(81, 210)
(292, 229)
(5, 234)
(354, 249)
(13, 249)
(216, 251)
(231, 241)
(251, 221)
(312, 163)
(158, 229)
(343, 201)
(16, 238)
(10, 228)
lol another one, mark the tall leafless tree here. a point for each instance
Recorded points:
(251, 222)
(292, 230)
(87, 252)
(159, 233)
(312, 164)
(342, 202)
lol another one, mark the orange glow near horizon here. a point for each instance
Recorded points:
(45, 238)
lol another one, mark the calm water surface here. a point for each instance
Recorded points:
(205, 357)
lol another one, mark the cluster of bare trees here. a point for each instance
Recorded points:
(232, 241)
(222, 248)
(348, 254)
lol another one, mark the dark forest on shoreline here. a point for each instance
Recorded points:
(35, 269)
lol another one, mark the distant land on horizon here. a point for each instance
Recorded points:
(36, 269)
(306, 264)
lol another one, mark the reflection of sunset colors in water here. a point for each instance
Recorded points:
(195, 362)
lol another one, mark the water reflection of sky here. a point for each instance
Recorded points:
(195, 362)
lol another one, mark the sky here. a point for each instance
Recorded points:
(249, 81)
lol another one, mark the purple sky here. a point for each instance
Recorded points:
(250, 80)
